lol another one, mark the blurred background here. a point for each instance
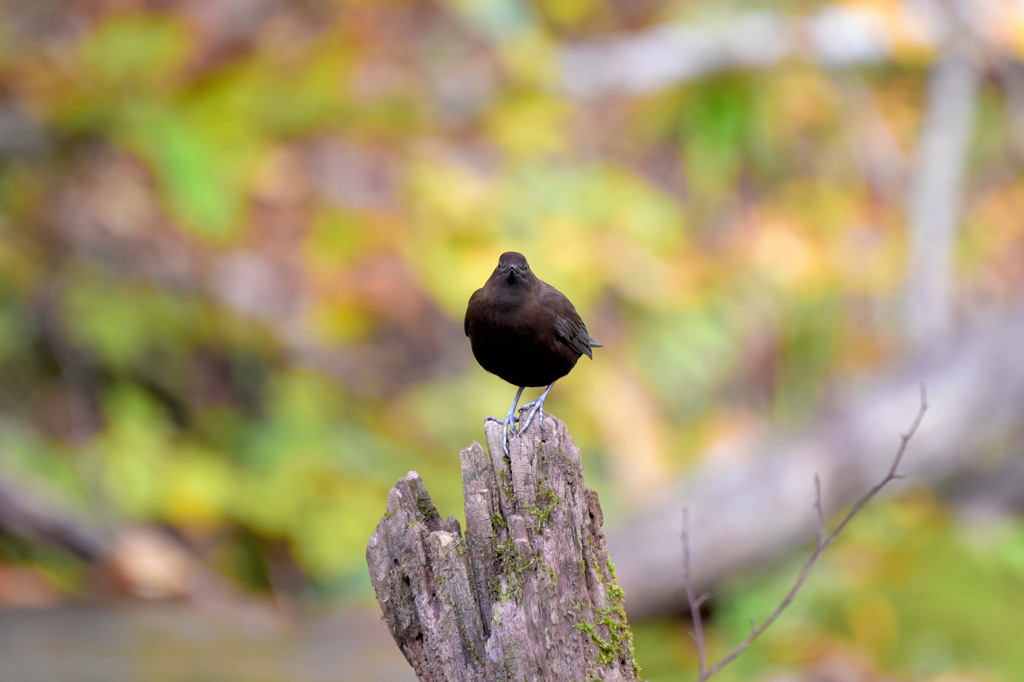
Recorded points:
(237, 238)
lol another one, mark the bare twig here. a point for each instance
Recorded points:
(822, 544)
(819, 509)
(698, 624)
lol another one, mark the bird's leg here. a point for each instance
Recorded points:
(537, 404)
(509, 419)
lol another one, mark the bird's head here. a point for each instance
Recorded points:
(513, 268)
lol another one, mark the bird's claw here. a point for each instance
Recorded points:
(498, 420)
(507, 425)
(529, 418)
(538, 406)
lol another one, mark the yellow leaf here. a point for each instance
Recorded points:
(530, 125)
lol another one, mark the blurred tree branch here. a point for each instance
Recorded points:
(834, 36)
(824, 540)
(978, 382)
(29, 516)
(936, 193)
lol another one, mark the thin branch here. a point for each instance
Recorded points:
(822, 544)
(819, 509)
(695, 603)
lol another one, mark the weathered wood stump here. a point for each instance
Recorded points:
(528, 594)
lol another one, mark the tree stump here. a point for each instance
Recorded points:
(528, 594)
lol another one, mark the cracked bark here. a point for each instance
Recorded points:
(529, 593)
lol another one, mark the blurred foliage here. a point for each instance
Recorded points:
(236, 243)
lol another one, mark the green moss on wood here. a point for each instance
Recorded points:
(426, 507)
(547, 500)
(616, 638)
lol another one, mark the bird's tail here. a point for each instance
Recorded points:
(594, 343)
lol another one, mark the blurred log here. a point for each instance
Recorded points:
(28, 516)
(752, 501)
(529, 593)
(138, 561)
(832, 36)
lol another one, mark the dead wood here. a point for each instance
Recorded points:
(529, 593)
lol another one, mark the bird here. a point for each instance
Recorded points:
(526, 332)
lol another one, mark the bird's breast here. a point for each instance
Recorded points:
(518, 343)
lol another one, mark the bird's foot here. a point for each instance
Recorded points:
(507, 426)
(499, 420)
(538, 407)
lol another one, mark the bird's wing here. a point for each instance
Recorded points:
(570, 328)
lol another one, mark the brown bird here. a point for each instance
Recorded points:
(525, 331)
